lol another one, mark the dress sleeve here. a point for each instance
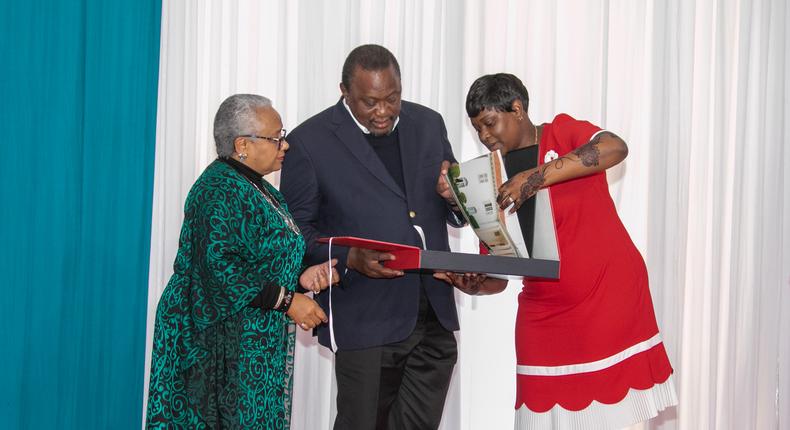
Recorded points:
(574, 133)
(266, 299)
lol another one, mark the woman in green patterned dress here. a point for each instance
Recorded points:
(224, 336)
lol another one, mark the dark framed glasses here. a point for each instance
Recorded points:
(278, 140)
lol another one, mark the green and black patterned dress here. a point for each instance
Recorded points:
(217, 362)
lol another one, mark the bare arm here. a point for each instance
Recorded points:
(605, 150)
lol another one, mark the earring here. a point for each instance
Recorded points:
(242, 156)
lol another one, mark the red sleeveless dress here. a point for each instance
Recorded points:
(588, 347)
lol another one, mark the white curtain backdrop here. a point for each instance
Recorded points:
(697, 88)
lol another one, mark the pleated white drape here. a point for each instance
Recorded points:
(698, 89)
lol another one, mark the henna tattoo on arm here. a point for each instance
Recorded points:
(589, 154)
(557, 164)
(531, 186)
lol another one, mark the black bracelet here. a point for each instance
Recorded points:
(287, 300)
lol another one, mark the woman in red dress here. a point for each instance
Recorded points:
(588, 347)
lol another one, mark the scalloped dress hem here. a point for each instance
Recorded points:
(635, 407)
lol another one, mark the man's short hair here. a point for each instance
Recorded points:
(496, 92)
(368, 57)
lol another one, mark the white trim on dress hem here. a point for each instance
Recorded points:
(593, 366)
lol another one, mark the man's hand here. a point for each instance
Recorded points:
(368, 263)
(443, 188)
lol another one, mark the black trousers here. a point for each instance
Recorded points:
(400, 386)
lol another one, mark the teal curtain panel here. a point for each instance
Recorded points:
(78, 89)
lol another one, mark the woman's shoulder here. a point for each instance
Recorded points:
(218, 174)
(569, 130)
(563, 119)
(218, 178)
(216, 169)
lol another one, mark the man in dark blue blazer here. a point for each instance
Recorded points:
(369, 166)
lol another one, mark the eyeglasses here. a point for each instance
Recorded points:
(278, 140)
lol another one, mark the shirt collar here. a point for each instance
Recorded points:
(362, 127)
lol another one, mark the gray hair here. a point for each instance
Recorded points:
(235, 117)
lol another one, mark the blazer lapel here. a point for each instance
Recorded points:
(351, 136)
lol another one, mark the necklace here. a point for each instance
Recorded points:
(536, 133)
(289, 221)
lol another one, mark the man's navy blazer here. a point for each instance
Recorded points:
(335, 185)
